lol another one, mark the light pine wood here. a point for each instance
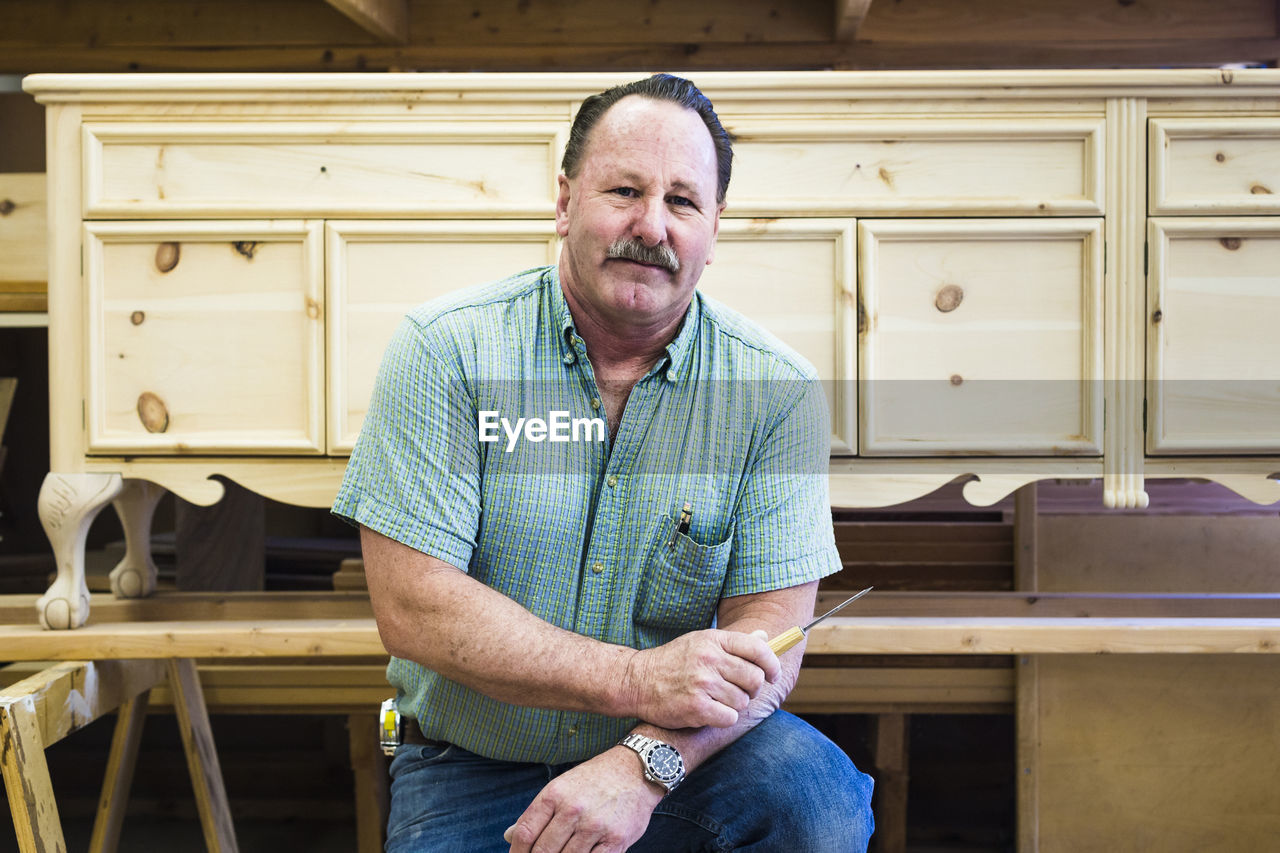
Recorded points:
(942, 162)
(800, 275)
(68, 503)
(135, 575)
(24, 230)
(118, 779)
(193, 339)
(892, 746)
(202, 757)
(964, 352)
(876, 690)
(1124, 304)
(321, 169)
(1212, 361)
(379, 271)
(1215, 165)
(387, 20)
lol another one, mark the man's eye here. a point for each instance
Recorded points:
(679, 201)
(625, 192)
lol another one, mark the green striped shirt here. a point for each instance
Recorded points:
(586, 533)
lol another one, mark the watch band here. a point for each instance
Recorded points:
(645, 747)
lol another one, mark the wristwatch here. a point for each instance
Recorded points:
(662, 761)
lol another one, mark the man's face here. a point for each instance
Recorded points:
(648, 179)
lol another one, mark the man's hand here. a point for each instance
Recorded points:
(706, 678)
(603, 806)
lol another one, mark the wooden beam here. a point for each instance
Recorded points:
(388, 20)
(118, 779)
(849, 17)
(892, 762)
(172, 606)
(202, 757)
(640, 57)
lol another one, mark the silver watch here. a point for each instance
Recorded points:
(662, 761)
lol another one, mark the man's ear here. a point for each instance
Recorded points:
(562, 206)
(715, 232)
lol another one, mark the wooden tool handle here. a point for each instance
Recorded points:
(786, 640)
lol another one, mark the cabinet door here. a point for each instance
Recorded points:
(795, 278)
(378, 271)
(981, 337)
(204, 337)
(1213, 347)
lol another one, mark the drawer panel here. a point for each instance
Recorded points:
(205, 337)
(981, 337)
(378, 271)
(1214, 353)
(1227, 165)
(314, 169)
(796, 278)
(1041, 167)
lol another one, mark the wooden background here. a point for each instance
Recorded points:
(518, 35)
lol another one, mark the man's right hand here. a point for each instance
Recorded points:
(706, 678)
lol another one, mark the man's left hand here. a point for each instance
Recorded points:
(601, 806)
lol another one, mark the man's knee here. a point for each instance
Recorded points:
(815, 790)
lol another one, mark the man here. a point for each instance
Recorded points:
(548, 604)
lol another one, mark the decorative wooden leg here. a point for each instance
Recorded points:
(135, 575)
(68, 504)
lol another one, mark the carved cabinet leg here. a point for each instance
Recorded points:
(135, 575)
(68, 503)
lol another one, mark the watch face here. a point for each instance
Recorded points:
(665, 763)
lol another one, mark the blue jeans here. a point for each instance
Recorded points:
(781, 787)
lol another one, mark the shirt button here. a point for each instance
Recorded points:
(671, 376)
(613, 480)
(573, 730)
(597, 567)
(569, 358)
(595, 403)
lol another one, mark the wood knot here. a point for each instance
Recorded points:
(1157, 315)
(246, 248)
(137, 317)
(7, 206)
(167, 255)
(1220, 157)
(1259, 189)
(313, 309)
(957, 379)
(862, 319)
(949, 298)
(152, 412)
(1230, 243)
(1228, 75)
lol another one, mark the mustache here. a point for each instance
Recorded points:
(636, 250)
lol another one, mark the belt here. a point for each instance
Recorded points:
(411, 733)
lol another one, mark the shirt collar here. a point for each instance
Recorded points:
(677, 350)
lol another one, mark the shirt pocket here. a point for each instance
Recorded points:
(680, 584)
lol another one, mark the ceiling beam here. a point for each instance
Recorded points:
(386, 20)
(849, 15)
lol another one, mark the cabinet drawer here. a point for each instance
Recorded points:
(204, 337)
(378, 271)
(1214, 353)
(320, 169)
(981, 337)
(1215, 165)
(796, 278)
(1041, 166)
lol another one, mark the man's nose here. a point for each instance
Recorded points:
(651, 222)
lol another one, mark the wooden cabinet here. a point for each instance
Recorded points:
(961, 256)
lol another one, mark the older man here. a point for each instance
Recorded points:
(549, 603)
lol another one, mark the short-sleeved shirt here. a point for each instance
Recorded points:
(728, 433)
